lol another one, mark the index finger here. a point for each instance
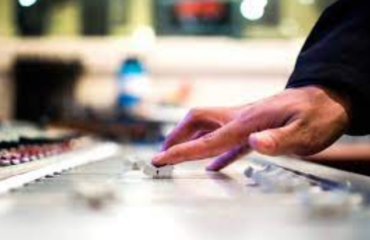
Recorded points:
(186, 129)
(213, 144)
(180, 133)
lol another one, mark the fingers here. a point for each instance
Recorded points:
(199, 134)
(227, 158)
(211, 145)
(180, 133)
(193, 126)
(277, 141)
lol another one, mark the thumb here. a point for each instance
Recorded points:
(276, 141)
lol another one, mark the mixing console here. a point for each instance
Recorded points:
(28, 153)
(32, 152)
(23, 143)
(79, 188)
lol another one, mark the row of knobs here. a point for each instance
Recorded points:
(28, 153)
(310, 193)
(276, 179)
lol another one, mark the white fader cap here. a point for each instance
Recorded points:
(158, 172)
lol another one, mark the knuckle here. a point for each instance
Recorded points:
(195, 113)
(300, 123)
(237, 135)
(208, 138)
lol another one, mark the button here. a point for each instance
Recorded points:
(276, 179)
(158, 172)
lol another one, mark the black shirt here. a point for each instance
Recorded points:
(336, 55)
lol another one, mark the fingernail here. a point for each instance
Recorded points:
(213, 167)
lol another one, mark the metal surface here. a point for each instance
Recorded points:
(16, 176)
(108, 200)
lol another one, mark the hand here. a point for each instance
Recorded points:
(300, 121)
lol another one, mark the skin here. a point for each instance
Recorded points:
(300, 121)
(343, 152)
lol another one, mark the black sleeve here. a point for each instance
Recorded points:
(336, 55)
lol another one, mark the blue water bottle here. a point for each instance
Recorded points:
(133, 84)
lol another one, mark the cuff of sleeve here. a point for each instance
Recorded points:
(345, 81)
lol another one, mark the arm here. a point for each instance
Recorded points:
(300, 121)
(327, 95)
(336, 55)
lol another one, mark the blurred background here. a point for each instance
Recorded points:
(193, 52)
(123, 68)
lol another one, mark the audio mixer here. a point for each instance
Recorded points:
(63, 186)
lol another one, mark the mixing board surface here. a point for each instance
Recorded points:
(80, 188)
(257, 198)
